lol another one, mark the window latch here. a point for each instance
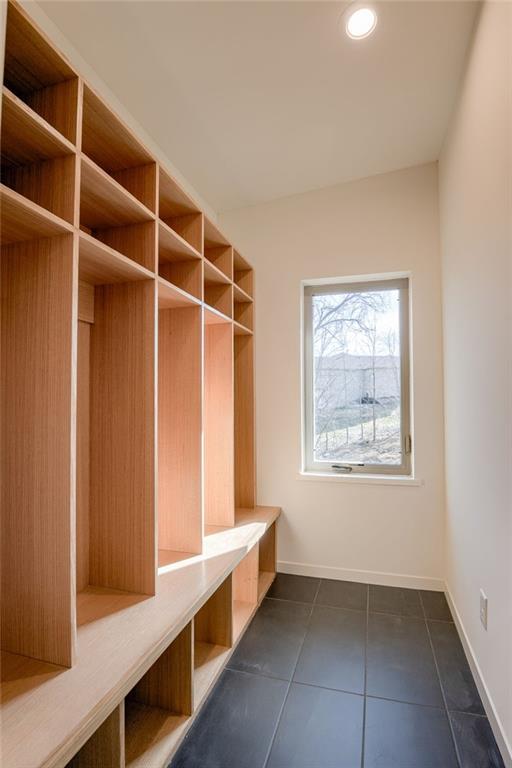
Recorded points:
(342, 469)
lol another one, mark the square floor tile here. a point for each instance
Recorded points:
(319, 728)
(407, 736)
(458, 684)
(400, 662)
(271, 644)
(475, 741)
(286, 586)
(343, 594)
(334, 649)
(236, 725)
(435, 606)
(397, 601)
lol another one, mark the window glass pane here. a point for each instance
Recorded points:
(356, 377)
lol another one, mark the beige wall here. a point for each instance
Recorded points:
(476, 233)
(389, 223)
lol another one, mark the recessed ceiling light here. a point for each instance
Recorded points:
(359, 20)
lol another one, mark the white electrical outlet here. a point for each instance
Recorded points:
(483, 609)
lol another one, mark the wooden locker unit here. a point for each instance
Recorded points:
(133, 555)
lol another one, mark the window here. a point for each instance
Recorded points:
(356, 377)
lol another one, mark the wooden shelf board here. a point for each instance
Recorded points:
(168, 557)
(95, 603)
(241, 330)
(212, 235)
(106, 137)
(173, 200)
(172, 246)
(213, 274)
(265, 579)
(26, 137)
(171, 297)
(151, 735)
(212, 316)
(240, 296)
(104, 202)
(209, 659)
(242, 614)
(99, 264)
(21, 219)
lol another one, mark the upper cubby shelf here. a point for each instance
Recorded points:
(38, 75)
(24, 220)
(26, 137)
(217, 249)
(243, 274)
(104, 202)
(100, 264)
(180, 215)
(112, 146)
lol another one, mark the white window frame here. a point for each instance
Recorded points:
(353, 468)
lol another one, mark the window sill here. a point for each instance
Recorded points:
(355, 479)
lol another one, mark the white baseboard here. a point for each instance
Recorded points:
(496, 724)
(366, 577)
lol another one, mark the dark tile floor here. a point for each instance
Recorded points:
(333, 674)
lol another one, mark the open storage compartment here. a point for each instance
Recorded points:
(105, 747)
(245, 591)
(180, 242)
(39, 76)
(266, 561)
(158, 707)
(37, 162)
(38, 345)
(108, 142)
(219, 505)
(180, 522)
(213, 638)
(115, 545)
(113, 216)
(245, 473)
(243, 275)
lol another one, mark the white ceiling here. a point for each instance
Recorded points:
(253, 101)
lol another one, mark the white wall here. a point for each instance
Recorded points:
(476, 233)
(388, 223)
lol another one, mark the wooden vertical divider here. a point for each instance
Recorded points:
(245, 479)
(180, 523)
(122, 437)
(105, 748)
(218, 423)
(38, 318)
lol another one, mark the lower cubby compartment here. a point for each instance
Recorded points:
(266, 561)
(105, 747)
(245, 591)
(158, 708)
(213, 638)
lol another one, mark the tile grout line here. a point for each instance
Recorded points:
(280, 715)
(363, 733)
(454, 741)
(346, 692)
